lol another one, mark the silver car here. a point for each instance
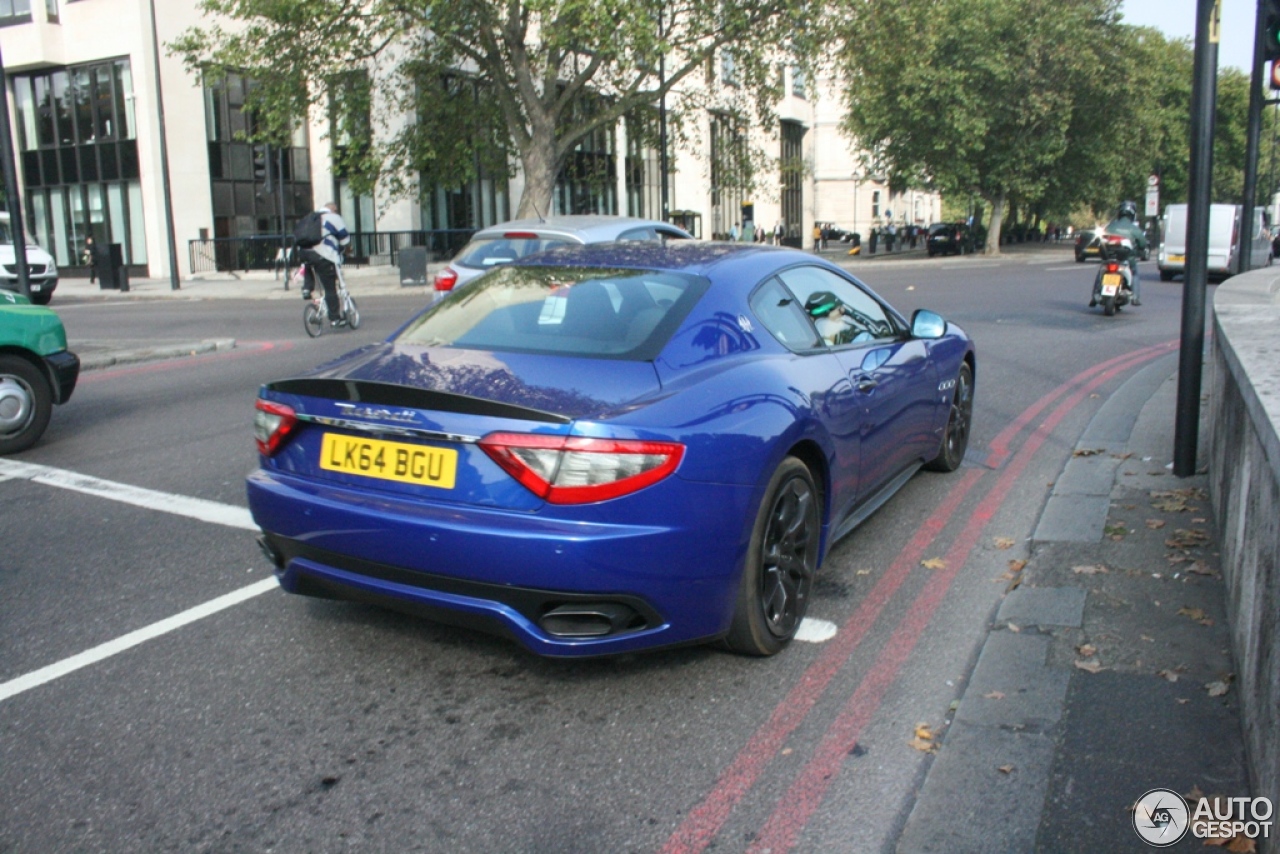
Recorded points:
(509, 241)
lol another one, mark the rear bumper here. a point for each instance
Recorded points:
(560, 587)
(65, 370)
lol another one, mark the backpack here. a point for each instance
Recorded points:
(309, 231)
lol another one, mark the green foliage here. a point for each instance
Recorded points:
(533, 64)
(1056, 107)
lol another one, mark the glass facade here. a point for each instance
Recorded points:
(588, 181)
(481, 202)
(77, 138)
(14, 12)
(258, 190)
(643, 165)
(730, 175)
(792, 180)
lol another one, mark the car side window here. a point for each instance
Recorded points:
(841, 311)
(642, 235)
(778, 311)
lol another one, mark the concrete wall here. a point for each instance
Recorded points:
(1244, 476)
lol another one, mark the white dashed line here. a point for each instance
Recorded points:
(178, 505)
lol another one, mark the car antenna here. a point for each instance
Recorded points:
(542, 219)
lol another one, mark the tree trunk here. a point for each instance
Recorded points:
(540, 168)
(997, 221)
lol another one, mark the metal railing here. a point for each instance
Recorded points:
(273, 252)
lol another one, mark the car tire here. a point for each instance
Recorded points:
(782, 558)
(26, 401)
(1166, 275)
(955, 436)
(1079, 258)
(41, 298)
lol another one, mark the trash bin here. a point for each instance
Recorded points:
(100, 257)
(413, 265)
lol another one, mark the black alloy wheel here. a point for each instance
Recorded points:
(955, 440)
(781, 561)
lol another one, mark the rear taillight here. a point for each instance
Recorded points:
(579, 470)
(1113, 267)
(273, 423)
(446, 279)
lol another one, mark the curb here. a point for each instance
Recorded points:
(92, 358)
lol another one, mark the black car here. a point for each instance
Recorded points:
(1088, 244)
(949, 238)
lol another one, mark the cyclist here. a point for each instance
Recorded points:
(322, 260)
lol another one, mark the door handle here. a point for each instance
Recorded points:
(866, 384)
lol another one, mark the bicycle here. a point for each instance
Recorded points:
(315, 315)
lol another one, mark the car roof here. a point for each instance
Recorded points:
(694, 257)
(589, 228)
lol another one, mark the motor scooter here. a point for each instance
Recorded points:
(1113, 286)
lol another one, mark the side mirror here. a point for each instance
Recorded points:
(928, 325)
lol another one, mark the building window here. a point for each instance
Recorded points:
(79, 159)
(792, 181)
(14, 12)
(482, 201)
(51, 10)
(728, 68)
(644, 164)
(730, 175)
(588, 180)
(797, 81)
(875, 204)
(257, 189)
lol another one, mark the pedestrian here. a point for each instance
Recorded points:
(890, 233)
(87, 258)
(759, 234)
(817, 238)
(875, 237)
(778, 231)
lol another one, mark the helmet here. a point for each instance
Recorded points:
(821, 303)
(1127, 209)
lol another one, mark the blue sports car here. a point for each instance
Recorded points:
(607, 448)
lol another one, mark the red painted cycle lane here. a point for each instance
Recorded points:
(705, 820)
(805, 796)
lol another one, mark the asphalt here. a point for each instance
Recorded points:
(1106, 671)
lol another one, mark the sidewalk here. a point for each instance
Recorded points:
(1107, 671)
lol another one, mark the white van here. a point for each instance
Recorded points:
(42, 272)
(1224, 228)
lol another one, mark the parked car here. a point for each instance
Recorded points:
(607, 448)
(510, 241)
(36, 370)
(42, 271)
(949, 238)
(1088, 244)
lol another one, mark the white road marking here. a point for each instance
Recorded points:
(1063, 269)
(179, 505)
(114, 647)
(813, 630)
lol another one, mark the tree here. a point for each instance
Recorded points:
(979, 96)
(527, 80)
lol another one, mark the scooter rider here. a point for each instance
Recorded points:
(1125, 224)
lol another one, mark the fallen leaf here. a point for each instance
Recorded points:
(1003, 543)
(923, 731)
(1184, 538)
(994, 695)
(1198, 521)
(1196, 614)
(1088, 452)
(1121, 456)
(786, 751)
(1182, 702)
(864, 572)
(1147, 638)
(1088, 650)
(923, 746)
(934, 563)
(1243, 845)
(1015, 628)
(1088, 666)
(1155, 524)
(1169, 675)
(1217, 689)
(1017, 565)
(1005, 769)
(1093, 569)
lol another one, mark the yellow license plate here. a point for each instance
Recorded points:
(396, 461)
(1111, 280)
(1177, 259)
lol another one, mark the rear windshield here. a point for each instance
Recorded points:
(485, 252)
(619, 314)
